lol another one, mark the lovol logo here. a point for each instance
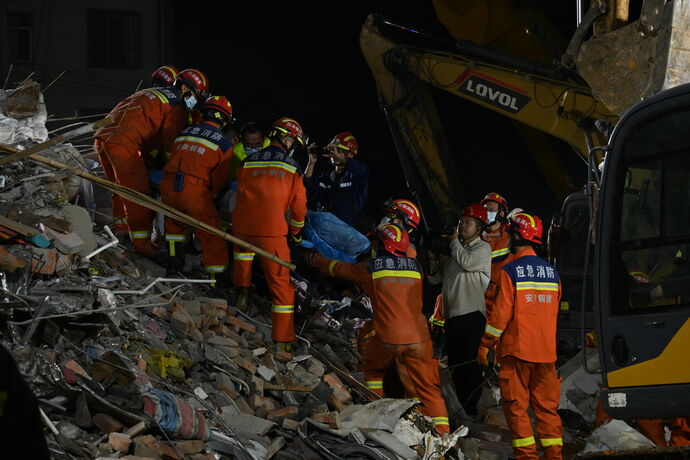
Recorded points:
(491, 93)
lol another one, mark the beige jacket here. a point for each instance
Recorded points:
(465, 275)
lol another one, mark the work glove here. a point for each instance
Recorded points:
(483, 356)
(438, 339)
(295, 240)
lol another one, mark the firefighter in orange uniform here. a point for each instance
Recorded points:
(496, 234)
(269, 186)
(523, 324)
(393, 281)
(196, 172)
(147, 120)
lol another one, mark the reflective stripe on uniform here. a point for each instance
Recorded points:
(500, 252)
(271, 164)
(489, 329)
(243, 255)
(331, 266)
(198, 140)
(297, 223)
(546, 442)
(140, 235)
(162, 97)
(174, 237)
(522, 285)
(374, 384)
(522, 442)
(437, 322)
(283, 308)
(440, 420)
(397, 273)
(215, 268)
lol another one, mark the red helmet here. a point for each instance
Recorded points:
(195, 79)
(394, 239)
(477, 211)
(286, 126)
(164, 76)
(493, 196)
(220, 108)
(346, 141)
(405, 210)
(528, 227)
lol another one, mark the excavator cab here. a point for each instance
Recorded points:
(642, 261)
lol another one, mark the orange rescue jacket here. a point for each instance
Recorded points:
(269, 187)
(203, 152)
(147, 120)
(394, 285)
(523, 321)
(500, 255)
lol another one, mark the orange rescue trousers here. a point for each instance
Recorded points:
(421, 367)
(277, 277)
(196, 200)
(126, 167)
(525, 384)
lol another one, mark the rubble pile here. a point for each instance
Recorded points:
(127, 363)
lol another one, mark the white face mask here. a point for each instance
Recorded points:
(190, 101)
(491, 217)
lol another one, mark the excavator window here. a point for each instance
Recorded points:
(650, 264)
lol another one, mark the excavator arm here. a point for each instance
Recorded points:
(406, 74)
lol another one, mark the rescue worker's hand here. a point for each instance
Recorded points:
(313, 151)
(295, 240)
(482, 356)
(337, 155)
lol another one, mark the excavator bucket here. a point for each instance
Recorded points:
(642, 58)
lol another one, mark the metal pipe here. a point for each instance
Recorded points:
(113, 242)
(162, 280)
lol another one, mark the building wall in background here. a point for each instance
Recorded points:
(106, 48)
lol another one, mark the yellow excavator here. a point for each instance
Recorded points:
(507, 57)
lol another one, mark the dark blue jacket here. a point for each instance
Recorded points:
(342, 194)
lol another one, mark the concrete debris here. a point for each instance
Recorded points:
(616, 435)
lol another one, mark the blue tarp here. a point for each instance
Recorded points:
(333, 238)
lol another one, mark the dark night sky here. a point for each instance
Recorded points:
(302, 59)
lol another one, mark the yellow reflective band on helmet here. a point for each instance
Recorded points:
(397, 274)
(522, 442)
(140, 235)
(243, 255)
(215, 268)
(374, 384)
(489, 329)
(331, 266)
(271, 164)
(198, 140)
(159, 95)
(546, 442)
(172, 71)
(522, 285)
(283, 308)
(500, 252)
(297, 223)
(440, 420)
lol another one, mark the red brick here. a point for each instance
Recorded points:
(106, 423)
(246, 365)
(191, 446)
(283, 356)
(43, 261)
(340, 397)
(332, 419)
(119, 441)
(239, 324)
(8, 262)
(280, 414)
